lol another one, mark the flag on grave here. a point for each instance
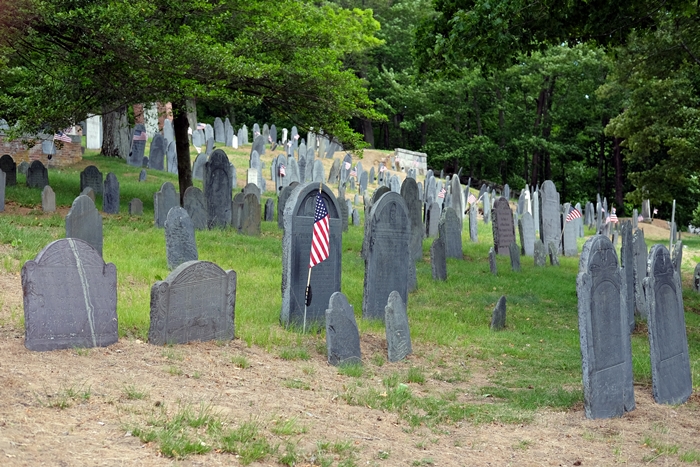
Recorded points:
(382, 168)
(347, 165)
(640, 218)
(442, 193)
(140, 135)
(61, 136)
(471, 199)
(320, 242)
(613, 216)
(656, 211)
(283, 170)
(353, 172)
(573, 214)
(201, 126)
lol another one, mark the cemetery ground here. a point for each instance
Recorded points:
(467, 395)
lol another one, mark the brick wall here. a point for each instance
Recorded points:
(69, 154)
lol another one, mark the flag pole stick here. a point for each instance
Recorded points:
(308, 279)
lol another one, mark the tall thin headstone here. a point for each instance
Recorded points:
(498, 317)
(550, 229)
(48, 199)
(438, 260)
(110, 198)
(449, 229)
(194, 203)
(180, 244)
(526, 227)
(473, 224)
(163, 200)
(156, 154)
(84, 222)
(398, 335)
(217, 190)
(639, 250)
(503, 227)
(627, 270)
(409, 192)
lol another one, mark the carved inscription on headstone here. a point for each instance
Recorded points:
(503, 227)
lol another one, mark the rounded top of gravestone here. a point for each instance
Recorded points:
(409, 188)
(598, 254)
(659, 261)
(167, 186)
(217, 157)
(200, 269)
(398, 210)
(111, 178)
(378, 193)
(297, 202)
(37, 164)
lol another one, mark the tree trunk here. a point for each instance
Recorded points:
(191, 109)
(368, 132)
(541, 106)
(182, 146)
(115, 133)
(477, 113)
(423, 133)
(617, 158)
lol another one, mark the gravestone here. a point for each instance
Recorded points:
(526, 227)
(168, 131)
(553, 254)
(668, 344)
(194, 203)
(208, 134)
(23, 168)
(7, 165)
(198, 166)
(493, 265)
(250, 218)
(334, 174)
(635, 219)
(536, 211)
(363, 182)
(355, 217)
(473, 224)
(398, 334)
(171, 156)
(138, 146)
(395, 184)
(432, 220)
(627, 270)
(217, 190)
(219, 131)
(540, 253)
(163, 200)
(514, 251)
(110, 198)
(229, 137)
(550, 230)
(296, 248)
(318, 173)
(487, 207)
(498, 317)
(282, 202)
(156, 154)
(570, 233)
(503, 226)
(198, 138)
(301, 167)
(269, 210)
(254, 189)
(89, 192)
(604, 332)
(180, 244)
(387, 258)
(142, 175)
(179, 314)
(579, 225)
(37, 175)
(342, 335)
(677, 256)
(237, 210)
(372, 177)
(696, 278)
(70, 298)
(209, 145)
(84, 222)
(409, 192)
(135, 207)
(506, 192)
(646, 210)
(449, 229)
(438, 260)
(48, 199)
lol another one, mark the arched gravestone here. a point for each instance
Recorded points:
(171, 154)
(194, 204)
(526, 228)
(37, 175)
(156, 154)
(282, 202)
(196, 302)
(457, 202)
(432, 219)
(110, 198)
(168, 130)
(604, 333)
(668, 343)
(503, 226)
(570, 233)
(180, 244)
(550, 218)
(640, 253)
(250, 215)
(83, 221)
(70, 298)
(296, 249)
(138, 145)
(217, 189)
(219, 131)
(163, 200)
(318, 172)
(368, 206)
(7, 165)
(281, 181)
(342, 335)
(198, 166)
(409, 192)
(627, 270)
(387, 258)
(450, 230)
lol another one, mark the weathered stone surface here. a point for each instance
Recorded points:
(498, 317)
(487, 207)
(438, 260)
(23, 167)
(342, 335)
(334, 174)
(553, 254)
(514, 251)
(355, 216)
(142, 175)
(450, 231)
(250, 219)
(70, 297)
(677, 256)
(473, 224)
(550, 230)
(217, 190)
(432, 220)
(604, 333)
(570, 233)
(398, 334)
(318, 172)
(48, 199)
(37, 175)
(163, 200)
(195, 205)
(198, 166)
(668, 343)
(89, 192)
(493, 265)
(269, 215)
(696, 278)
(84, 222)
(7, 165)
(627, 271)
(91, 177)
(180, 244)
(196, 302)
(282, 202)
(503, 226)
(540, 253)
(138, 146)
(526, 228)
(156, 154)
(135, 207)
(110, 197)
(409, 192)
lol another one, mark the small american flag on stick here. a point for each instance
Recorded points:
(640, 218)
(320, 242)
(283, 170)
(613, 216)
(442, 193)
(61, 136)
(140, 135)
(471, 199)
(382, 168)
(573, 214)
(656, 211)
(201, 126)
(347, 165)
(353, 172)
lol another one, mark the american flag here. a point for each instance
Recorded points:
(613, 216)
(269, 139)
(347, 165)
(140, 135)
(257, 133)
(573, 214)
(320, 242)
(296, 136)
(471, 199)
(442, 193)
(201, 126)
(353, 172)
(283, 170)
(640, 218)
(656, 211)
(61, 136)
(382, 168)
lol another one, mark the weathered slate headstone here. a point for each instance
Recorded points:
(342, 335)
(110, 197)
(7, 165)
(135, 207)
(627, 270)
(139, 138)
(550, 230)
(237, 210)
(570, 233)
(269, 215)
(398, 334)
(372, 177)
(217, 190)
(498, 317)
(156, 154)
(449, 229)
(526, 227)
(219, 131)
(23, 168)
(250, 219)
(514, 251)
(70, 298)
(163, 200)
(198, 166)
(503, 227)
(89, 192)
(48, 199)
(282, 202)
(355, 217)
(646, 210)
(171, 155)
(318, 173)
(387, 260)
(37, 175)
(432, 220)
(493, 265)
(194, 203)
(84, 222)
(604, 332)
(334, 174)
(142, 175)
(668, 343)
(536, 211)
(409, 192)
(473, 224)
(696, 278)
(487, 207)
(438, 260)
(677, 256)
(196, 302)
(168, 130)
(180, 244)
(296, 247)
(553, 254)
(540, 254)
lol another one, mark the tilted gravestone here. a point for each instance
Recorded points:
(473, 224)
(550, 218)
(198, 166)
(668, 344)
(409, 192)
(7, 165)
(342, 335)
(493, 265)
(498, 317)
(387, 257)
(196, 302)
(540, 254)
(553, 254)
(135, 207)
(70, 298)
(526, 227)
(163, 200)
(84, 222)
(237, 210)
(217, 190)
(604, 332)
(180, 244)
(438, 260)
(282, 202)
(296, 248)
(514, 251)
(195, 205)
(89, 192)
(627, 270)
(48, 199)
(503, 227)
(37, 175)
(138, 146)
(156, 153)
(450, 231)
(250, 216)
(110, 197)
(398, 335)
(269, 215)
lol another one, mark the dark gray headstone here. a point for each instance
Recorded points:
(398, 335)
(553, 254)
(668, 343)
(198, 166)
(540, 253)
(449, 229)
(696, 278)
(526, 227)
(372, 177)
(196, 302)
(217, 190)
(355, 216)
(342, 335)
(135, 207)
(84, 222)
(503, 227)
(550, 230)
(627, 270)
(334, 174)
(432, 219)
(138, 146)
(180, 244)
(514, 251)
(344, 212)
(282, 202)
(163, 200)
(237, 210)
(142, 175)
(250, 218)
(363, 182)
(228, 134)
(7, 165)
(498, 317)
(473, 224)
(604, 332)
(23, 167)
(387, 257)
(70, 298)
(219, 131)
(254, 189)
(195, 205)
(37, 175)
(302, 170)
(438, 260)
(296, 247)
(493, 265)
(269, 210)
(409, 192)
(110, 198)
(48, 199)
(156, 154)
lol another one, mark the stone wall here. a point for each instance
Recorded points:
(411, 159)
(68, 154)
